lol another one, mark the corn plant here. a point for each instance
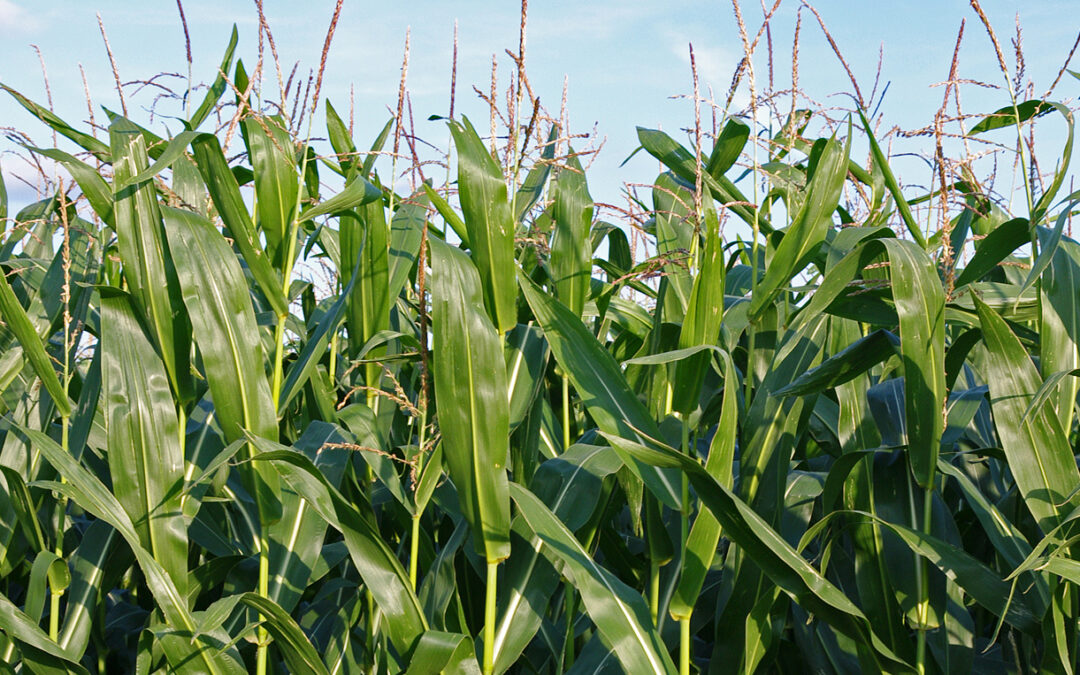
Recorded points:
(500, 441)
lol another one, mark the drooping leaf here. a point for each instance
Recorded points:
(373, 558)
(619, 612)
(85, 141)
(597, 377)
(19, 324)
(777, 559)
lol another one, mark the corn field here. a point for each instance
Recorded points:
(267, 409)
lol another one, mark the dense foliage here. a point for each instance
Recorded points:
(498, 439)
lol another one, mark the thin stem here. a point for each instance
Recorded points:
(684, 522)
(566, 412)
(264, 591)
(65, 420)
(568, 645)
(684, 646)
(923, 571)
(333, 358)
(654, 590)
(414, 542)
(489, 618)
(61, 509)
(279, 357)
(414, 548)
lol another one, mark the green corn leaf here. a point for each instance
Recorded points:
(19, 324)
(673, 203)
(570, 485)
(23, 505)
(1051, 191)
(1008, 117)
(674, 356)
(532, 188)
(844, 366)
(994, 248)
(89, 493)
(225, 194)
(729, 145)
(299, 655)
(171, 152)
(376, 148)
(619, 612)
(148, 264)
(526, 354)
(441, 652)
(97, 191)
(597, 377)
(681, 161)
(373, 558)
(341, 141)
(218, 300)
(406, 233)
(1048, 245)
(979, 581)
(470, 387)
(88, 563)
(1059, 330)
(145, 459)
(48, 569)
(704, 313)
(224, 321)
(772, 422)
(571, 259)
(482, 191)
(273, 159)
(1006, 538)
(296, 546)
(361, 421)
(364, 238)
(314, 349)
(84, 141)
(808, 226)
(38, 649)
(356, 192)
(705, 534)
(920, 304)
(448, 214)
(882, 163)
(1036, 447)
(776, 558)
(217, 88)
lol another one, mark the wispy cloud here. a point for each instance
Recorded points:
(716, 66)
(16, 19)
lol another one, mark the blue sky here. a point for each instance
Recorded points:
(625, 60)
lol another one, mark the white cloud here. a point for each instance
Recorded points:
(15, 19)
(716, 66)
